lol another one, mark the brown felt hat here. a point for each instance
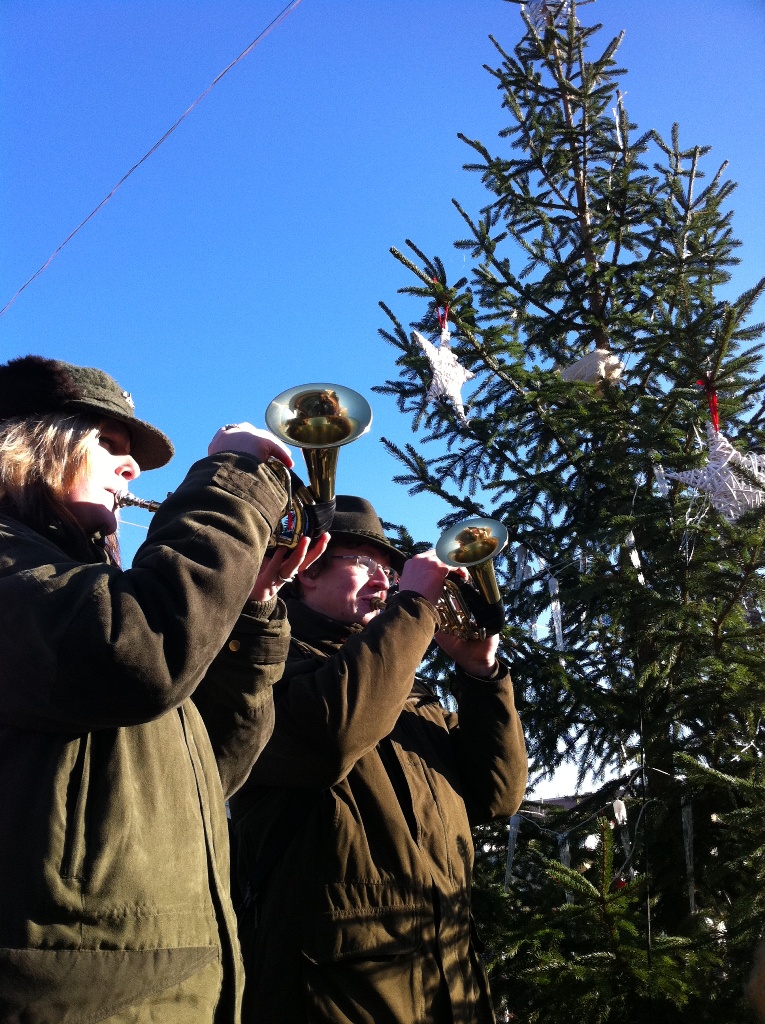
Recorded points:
(355, 517)
(32, 386)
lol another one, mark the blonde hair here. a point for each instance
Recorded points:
(40, 461)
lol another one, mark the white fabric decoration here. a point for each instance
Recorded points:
(534, 630)
(552, 586)
(512, 836)
(635, 557)
(521, 557)
(564, 850)
(620, 812)
(731, 495)
(687, 818)
(564, 854)
(620, 816)
(523, 572)
(448, 373)
(595, 366)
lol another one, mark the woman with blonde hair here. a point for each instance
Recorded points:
(131, 703)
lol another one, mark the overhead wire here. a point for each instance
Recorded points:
(259, 38)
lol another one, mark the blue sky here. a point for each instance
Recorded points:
(250, 252)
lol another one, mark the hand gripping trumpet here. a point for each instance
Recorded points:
(472, 612)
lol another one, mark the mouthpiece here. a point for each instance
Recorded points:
(378, 604)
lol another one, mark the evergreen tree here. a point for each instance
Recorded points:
(601, 243)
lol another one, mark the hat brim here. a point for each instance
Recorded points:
(149, 446)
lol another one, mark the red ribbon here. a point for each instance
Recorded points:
(711, 399)
(442, 314)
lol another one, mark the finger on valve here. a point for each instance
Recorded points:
(424, 574)
(305, 553)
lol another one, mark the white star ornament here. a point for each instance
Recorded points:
(730, 494)
(448, 373)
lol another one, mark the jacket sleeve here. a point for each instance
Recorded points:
(235, 698)
(88, 646)
(332, 711)
(489, 744)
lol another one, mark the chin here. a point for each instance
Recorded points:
(95, 520)
(368, 616)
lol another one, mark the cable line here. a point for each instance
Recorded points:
(269, 28)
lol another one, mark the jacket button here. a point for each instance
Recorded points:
(234, 645)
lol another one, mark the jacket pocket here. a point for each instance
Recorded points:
(84, 986)
(392, 932)
(363, 970)
(75, 801)
(359, 918)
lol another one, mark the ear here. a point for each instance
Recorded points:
(307, 582)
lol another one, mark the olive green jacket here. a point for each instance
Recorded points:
(131, 703)
(359, 813)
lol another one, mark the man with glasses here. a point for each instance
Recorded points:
(354, 847)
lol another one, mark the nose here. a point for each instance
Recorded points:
(379, 576)
(127, 468)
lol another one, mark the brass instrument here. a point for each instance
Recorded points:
(128, 500)
(472, 612)
(319, 419)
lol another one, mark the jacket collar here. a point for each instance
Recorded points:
(80, 549)
(315, 628)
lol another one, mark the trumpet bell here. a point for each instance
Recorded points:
(473, 544)
(319, 418)
(319, 415)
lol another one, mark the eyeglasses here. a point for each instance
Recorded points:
(371, 567)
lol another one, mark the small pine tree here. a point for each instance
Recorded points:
(597, 243)
(580, 948)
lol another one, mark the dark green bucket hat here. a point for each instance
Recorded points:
(33, 386)
(355, 517)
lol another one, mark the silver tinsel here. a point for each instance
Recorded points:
(552, 586)
(512, 835)
(540, 12)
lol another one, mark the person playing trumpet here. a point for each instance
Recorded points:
(354, 850)
(131, 703)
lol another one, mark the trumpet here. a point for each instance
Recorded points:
(472, 612)
(319, 419)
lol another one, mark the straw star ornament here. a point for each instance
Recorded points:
(730, 494)
(448, 373)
